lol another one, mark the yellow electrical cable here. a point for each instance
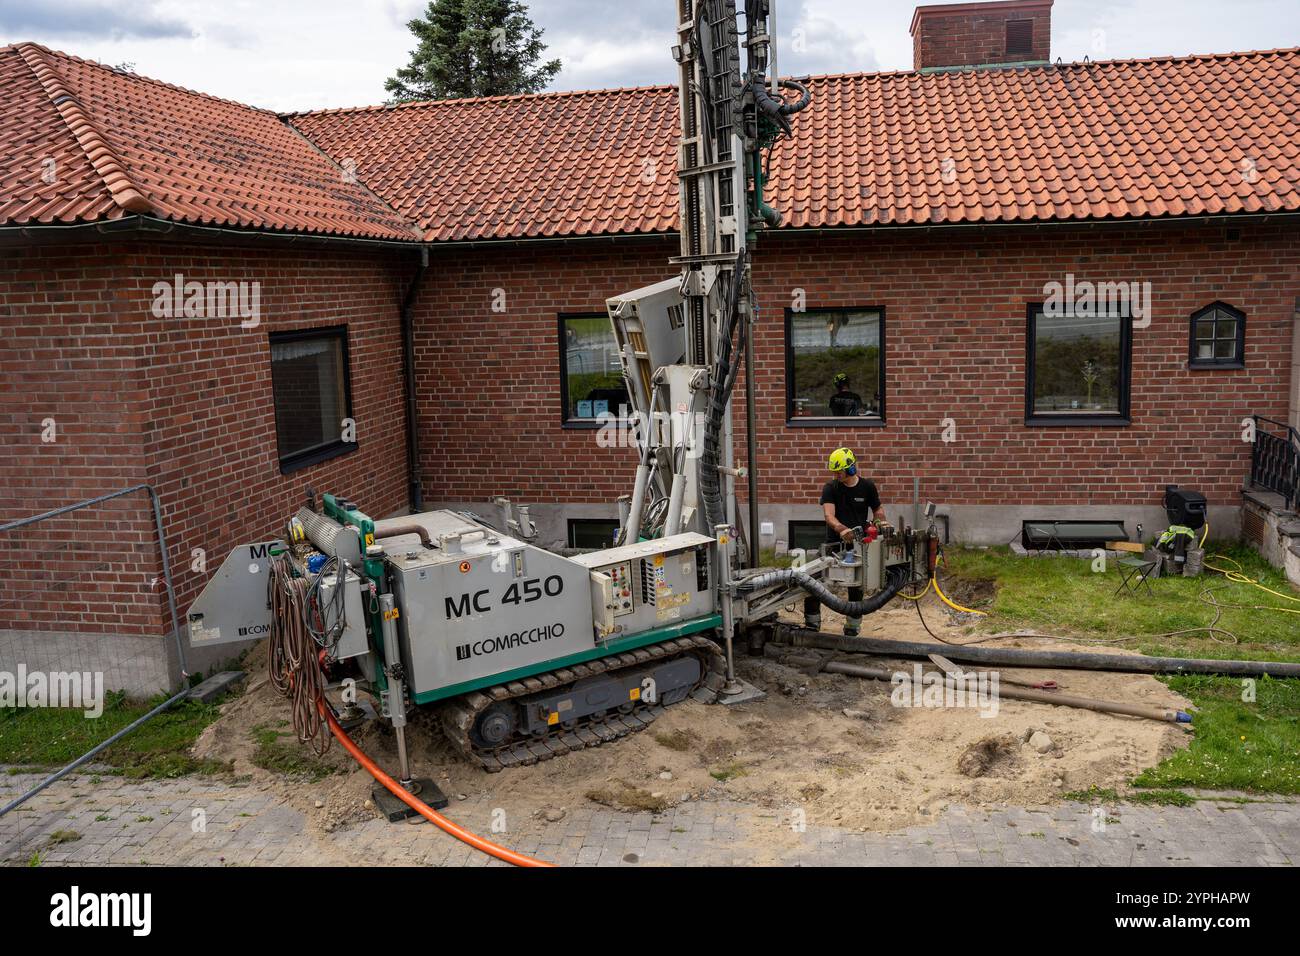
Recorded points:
(1239, 576)
(956, 607)
(917, 597)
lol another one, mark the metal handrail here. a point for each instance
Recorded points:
(1275, 459)
(156, 507)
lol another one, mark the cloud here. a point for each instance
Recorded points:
(90, 19)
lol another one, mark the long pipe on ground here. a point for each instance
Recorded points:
(1015, 657)
(1167, 714)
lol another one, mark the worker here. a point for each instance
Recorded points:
(844, 401)
(849, 501)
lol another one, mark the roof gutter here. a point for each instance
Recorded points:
(1204, 219)
(1212, 219)
(150, 226)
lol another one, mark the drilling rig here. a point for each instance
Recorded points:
(519, 654)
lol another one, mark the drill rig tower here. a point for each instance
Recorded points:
(682, 340)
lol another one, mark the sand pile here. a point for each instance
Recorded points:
(829, 745)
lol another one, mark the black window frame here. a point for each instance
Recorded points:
(572, 523)
(1237, 361)
(790, 526)
(830, 421)
(1119, 419)
(297, 461)
(580, 423)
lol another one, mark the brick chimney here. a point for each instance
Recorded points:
(965, 35)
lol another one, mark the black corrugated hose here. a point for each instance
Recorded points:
(895, 578)
(724, 379)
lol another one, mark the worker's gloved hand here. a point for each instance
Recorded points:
(847, 535)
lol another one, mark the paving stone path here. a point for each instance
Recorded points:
(106, 819)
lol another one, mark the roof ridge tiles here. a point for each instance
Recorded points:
(416, 230)
(476, 100)
(97, 147)
(129, 75)
(992, 74)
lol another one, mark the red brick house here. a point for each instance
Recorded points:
(930, 217)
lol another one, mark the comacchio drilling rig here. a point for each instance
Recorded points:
(521, 654)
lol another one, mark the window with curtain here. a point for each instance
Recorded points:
(309, 379)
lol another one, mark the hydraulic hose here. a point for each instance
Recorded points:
(896, 577)
(422, 808)
(724, 379)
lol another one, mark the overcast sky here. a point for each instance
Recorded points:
(307, 54)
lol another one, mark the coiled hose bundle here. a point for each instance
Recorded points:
(293, 659)
(895, 578)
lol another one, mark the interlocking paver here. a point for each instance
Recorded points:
(244, 827)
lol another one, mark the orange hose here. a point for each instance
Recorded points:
(422, 808)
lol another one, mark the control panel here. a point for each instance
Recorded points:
(621, 576)
(650, 584)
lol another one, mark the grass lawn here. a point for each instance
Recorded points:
(1239, 744)
(49, 738)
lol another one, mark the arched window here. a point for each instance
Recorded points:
(1217, 338)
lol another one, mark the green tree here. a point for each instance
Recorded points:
(473, 48)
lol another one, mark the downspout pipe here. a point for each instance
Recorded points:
(413, 493)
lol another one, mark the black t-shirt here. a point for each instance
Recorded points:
(853, 506)
(846, 403)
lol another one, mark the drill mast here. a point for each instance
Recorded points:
(682, 341)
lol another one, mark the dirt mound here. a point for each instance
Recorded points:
(989, 754)
(831, 746)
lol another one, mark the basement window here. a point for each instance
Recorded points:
(1020, 38)
(835, 366)
(1217, 338)
(313, 396)
(591, 375)
(807, 535)
(1078, 367)
(1066, 535)
(592, 534)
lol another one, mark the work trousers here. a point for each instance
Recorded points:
(812, 614)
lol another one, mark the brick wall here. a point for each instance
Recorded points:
(71, 408)
(975, 34)
(186, 403)
(955, 306)
(182, 403)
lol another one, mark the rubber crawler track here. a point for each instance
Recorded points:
(458, 716)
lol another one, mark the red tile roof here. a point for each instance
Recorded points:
(125, 144)
(1162, 137)
(554, 164)
(1139, 138)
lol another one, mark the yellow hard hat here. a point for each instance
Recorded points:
(840, 459)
